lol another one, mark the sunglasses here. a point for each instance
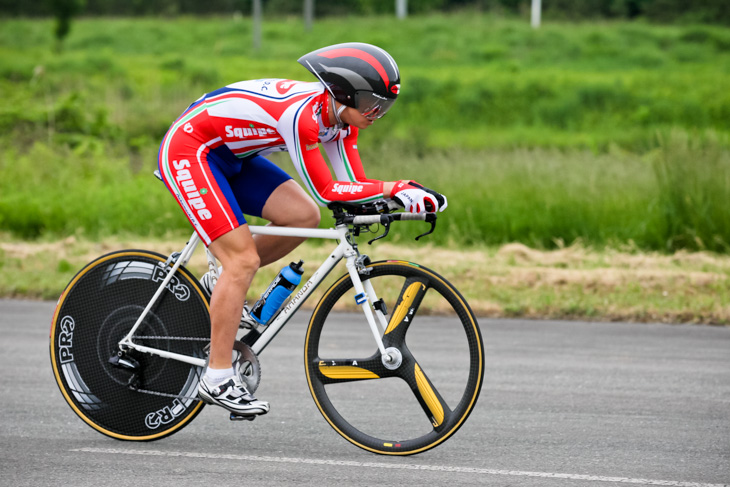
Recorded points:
(371, 105)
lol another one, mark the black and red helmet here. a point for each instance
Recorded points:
(359, 75)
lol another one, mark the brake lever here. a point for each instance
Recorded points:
(382, 235)
(431, 218)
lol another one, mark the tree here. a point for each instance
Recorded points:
(64, 10)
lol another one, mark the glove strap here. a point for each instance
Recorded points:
(400, 186)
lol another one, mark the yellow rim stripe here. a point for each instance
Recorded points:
(437, 411)
(346, 372)
(53, 354)
(404, 306)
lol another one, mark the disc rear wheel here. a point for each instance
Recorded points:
(142, 396)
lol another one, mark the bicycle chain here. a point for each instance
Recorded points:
(165, 337)
(164, 394)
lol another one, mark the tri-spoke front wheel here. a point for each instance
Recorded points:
(421, 398)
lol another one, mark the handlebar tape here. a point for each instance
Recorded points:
(383, 219)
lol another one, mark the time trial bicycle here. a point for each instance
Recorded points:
(130, 336)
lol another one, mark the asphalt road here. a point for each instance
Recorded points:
(563, 404)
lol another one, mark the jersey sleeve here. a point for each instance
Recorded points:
(300, 131)
(344, 157)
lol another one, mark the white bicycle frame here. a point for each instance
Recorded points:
(364, 292)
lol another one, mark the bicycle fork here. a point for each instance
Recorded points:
(372, 307)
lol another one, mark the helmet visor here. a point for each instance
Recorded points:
(371, 105)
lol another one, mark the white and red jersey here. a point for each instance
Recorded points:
(262, 116)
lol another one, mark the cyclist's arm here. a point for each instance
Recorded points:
(344, 157)
(345, 160)
(301, 133)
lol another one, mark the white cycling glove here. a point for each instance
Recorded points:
(416, 198)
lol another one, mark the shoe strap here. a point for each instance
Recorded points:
(236, 385)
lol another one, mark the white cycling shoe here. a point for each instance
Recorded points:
(232, 395)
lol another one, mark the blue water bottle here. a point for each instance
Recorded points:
(278, 291)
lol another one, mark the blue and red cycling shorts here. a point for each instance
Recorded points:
(213, 186)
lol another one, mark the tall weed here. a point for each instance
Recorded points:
(669, 199)
(693, 176)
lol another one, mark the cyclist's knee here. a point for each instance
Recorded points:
(312, 216)
(303, 214)
(306, 214)
(290, 206)
(244, 264)
(237, 253)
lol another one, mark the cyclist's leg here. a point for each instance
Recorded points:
(198, 177)
(263, 189)
(288, 206)
(236, 251)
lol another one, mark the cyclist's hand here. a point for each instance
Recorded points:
(416, 198)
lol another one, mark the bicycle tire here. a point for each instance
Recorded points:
(372, 411)
(98, 307)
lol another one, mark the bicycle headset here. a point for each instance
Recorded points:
(358, 75)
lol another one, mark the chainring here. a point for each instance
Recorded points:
(247, 366)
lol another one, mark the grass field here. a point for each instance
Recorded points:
(604, 132)
(601, 137)
(665, 200)
(506, 281)
(566, 84)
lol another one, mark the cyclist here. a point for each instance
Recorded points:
(212, 161)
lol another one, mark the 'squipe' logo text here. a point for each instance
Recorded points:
(347, 188)
(243, 132)
(187, 185)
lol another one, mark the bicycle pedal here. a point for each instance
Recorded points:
(238, 417)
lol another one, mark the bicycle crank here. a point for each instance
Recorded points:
(247, 366)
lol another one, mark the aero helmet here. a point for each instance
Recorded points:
(361, 76)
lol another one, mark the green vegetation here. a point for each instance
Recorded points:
(507, 281)
(710, 11)
(610, 133)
